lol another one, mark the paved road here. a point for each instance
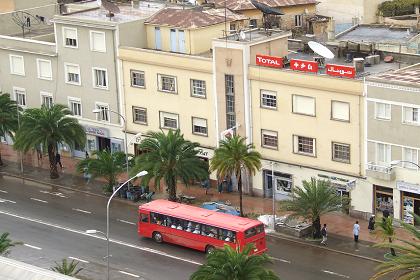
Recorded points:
(55, 221)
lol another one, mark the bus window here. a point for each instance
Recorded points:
(144, 218)
(227, 235)
(156, 218)
(253, 231)
(209, 231)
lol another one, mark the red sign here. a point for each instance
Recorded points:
(304, 65)
(269, 61)
(340, 70)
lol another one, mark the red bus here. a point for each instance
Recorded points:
(198, 228)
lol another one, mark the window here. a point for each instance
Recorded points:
(75, 105)
(72, 72)
(410, 155)
(181, 41)
(411, 115)
(383, 153)
(303, 105)
(103, 115)
(198, 88)
(253, 23)
(139, 115)
(268, 99)
(230, 101)
(46, 99)
(97, 41)
(254, 231)
(100, 78)
(17, 65)
(340, 111)
(341, 152)
(167, 83)
(168, 120)
(304, 145)
(158, 41)
(269, 139)
(382, 111)
(144, 218)
(199, 126)
(298, 20)
(70, 37)
(44, 69)
(20, 96)
(137, 78)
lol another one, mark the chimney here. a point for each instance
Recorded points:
(331, 29)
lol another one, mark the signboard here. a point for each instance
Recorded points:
(407, 187)
(304, 65)
(97, 131)
(205, 153)
(340, 70)
(269, 61)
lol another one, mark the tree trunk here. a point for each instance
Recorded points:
(1, 161)
(171, 189)
(316, 228)
(53, 163)
(392, 249)
(240, 193)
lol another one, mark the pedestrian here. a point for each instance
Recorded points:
(371, 226)
(220, 186)
(58, 160)
(206, 184)
(86, 155)
(356, 230)
(39, 153)
(324, 235)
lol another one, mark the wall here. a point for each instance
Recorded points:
(133, 34)
(276, 47)
(7, 6)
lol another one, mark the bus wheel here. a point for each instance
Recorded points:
(209, 249)
(157, 236)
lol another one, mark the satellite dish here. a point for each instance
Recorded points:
(320, 49)
(111, 7)
(242, 35)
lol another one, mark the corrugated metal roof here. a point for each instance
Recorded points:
(238, 5)
(15, 270)
(408, 76)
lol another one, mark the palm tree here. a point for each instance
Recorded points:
(385, 229)
(168, 157)
(104, 164)
(233, 156)
(407, 264)
(48, 127)
(6, 244)
(8, 117)
(311, 201)
(67, 268)
(230, 264)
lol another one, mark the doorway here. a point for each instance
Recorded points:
(104, 144)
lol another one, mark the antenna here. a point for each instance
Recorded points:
(320, 49)
(25, 20)
(111, 7)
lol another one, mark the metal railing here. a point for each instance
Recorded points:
(379, 168)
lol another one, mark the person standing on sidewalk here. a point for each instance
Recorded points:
(356, 230)
(371, 226)
(324, 235)
(58, 160)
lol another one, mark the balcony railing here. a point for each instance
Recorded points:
(380, 171)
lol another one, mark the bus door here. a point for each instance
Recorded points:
(144, 223)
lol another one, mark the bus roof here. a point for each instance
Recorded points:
(200, 215)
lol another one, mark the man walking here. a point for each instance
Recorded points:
(356, 230)
(324, 235)
(58, 160)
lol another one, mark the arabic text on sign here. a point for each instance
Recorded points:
(304, 65)
(340, 70)
(269, 61)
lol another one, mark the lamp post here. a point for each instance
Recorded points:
(92, 231)
(396, 162)
(97, 111)
(274, 193)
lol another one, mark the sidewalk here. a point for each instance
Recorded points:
(339, 225)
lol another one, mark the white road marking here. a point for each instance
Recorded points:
(39, 200)
(2, 200)
(280, 260)
(32, 246)
(79, 260)
(130, 274)
(336, 274)
(127, 222)
(59, 194)
(2, 191)
(146, 249)
(80, 210)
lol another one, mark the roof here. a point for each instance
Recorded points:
(184, 18)
(239, 5)
(221, 12)
(376, 34)
(200, 215)
(408, 76)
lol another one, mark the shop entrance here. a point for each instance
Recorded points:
(410, 204)
(384, 200)
(104, 144)
(283, 184)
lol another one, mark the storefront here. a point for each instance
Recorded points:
(384, 200)
(410, 201)
(283, 184)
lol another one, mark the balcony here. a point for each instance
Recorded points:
(385, 173)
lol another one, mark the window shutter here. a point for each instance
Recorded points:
(303, 105)
(45, 69)
(17, 65)
(340, 110)
(98, 41)
(199, 122)
(71, 34)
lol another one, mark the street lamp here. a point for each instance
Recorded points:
(274, 193)
(396, 162)
(93, 231)
(97, 111)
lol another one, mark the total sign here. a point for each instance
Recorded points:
(269, 61)
(304, 65)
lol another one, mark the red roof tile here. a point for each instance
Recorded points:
(238, 5)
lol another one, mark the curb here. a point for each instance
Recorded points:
(323, 247)
(5, 173)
